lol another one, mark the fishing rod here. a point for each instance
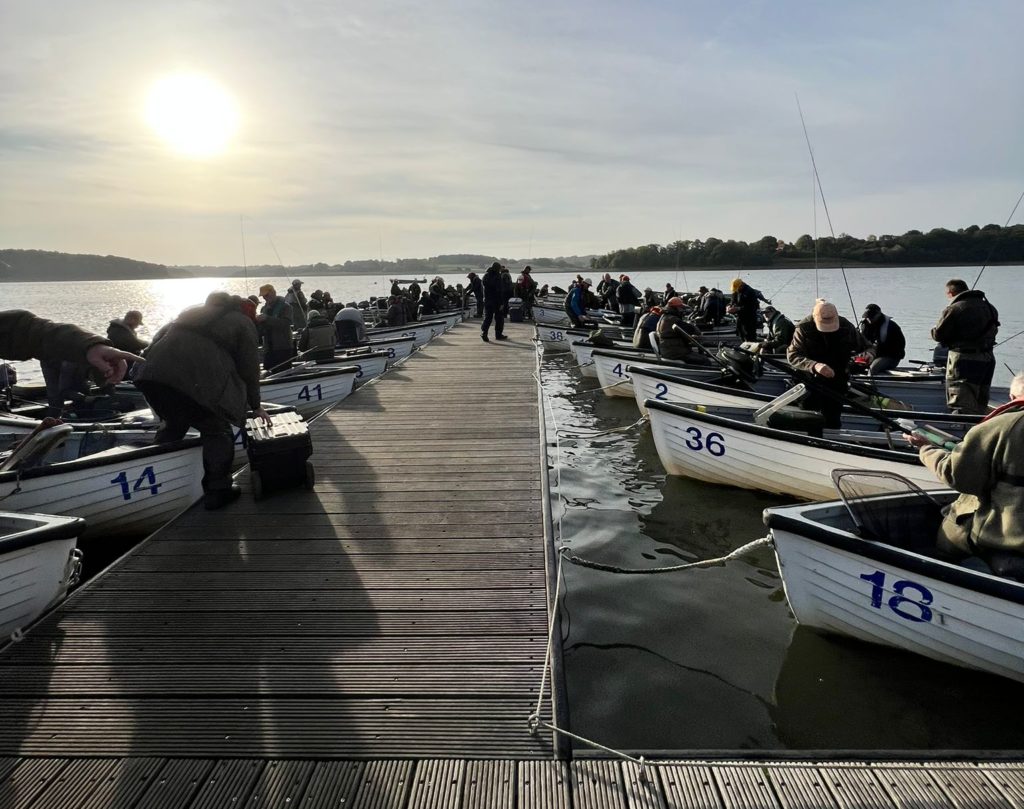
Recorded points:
(995, 241)
(824, 204)
(1012, 337)
(746, 379)
(791, 279)
(245, 266)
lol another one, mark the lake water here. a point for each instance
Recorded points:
(706, 659)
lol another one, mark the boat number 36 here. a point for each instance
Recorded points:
(712, 442)
(911, 601)
(307, 393)
(147, 480)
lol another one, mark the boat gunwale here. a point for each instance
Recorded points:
(130, 455)
(51, 528)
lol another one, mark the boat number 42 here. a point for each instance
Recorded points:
(147, 480)
(911, 601)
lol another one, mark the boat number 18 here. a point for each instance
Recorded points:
(911, 601)
(147, 480)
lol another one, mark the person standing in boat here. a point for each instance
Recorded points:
(780, 330)
(122, 332)
(823, 346)
(576, 303)
(275, 327)
(396, 312)
(968, 328)
(526, 288)
(494, 303)
(24, 336)
(885, 335)
(203, 371)
(987, 468)
(296, 299)
(676, 335)
(427, 306)
(350, 327)
(606, 289)
(628, 297)
(745, 306)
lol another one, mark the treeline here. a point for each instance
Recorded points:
(47, 265)
(970, 245)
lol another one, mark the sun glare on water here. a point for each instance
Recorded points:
(192, 113)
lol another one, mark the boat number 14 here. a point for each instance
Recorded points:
(911, 601)
(147, 480)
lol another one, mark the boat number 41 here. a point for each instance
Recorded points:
(911, 601)
(147, 480)
(307, 392)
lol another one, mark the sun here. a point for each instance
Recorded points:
(192, 113)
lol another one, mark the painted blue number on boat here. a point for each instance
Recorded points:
(307, 392)
(660, 391)
(714, 443)
(147, 480)
(617, 370)
(912, 609)
(408, 334)
(359, 372)
(555, 335)
(391, 353)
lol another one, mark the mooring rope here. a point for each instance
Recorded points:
(534, 721)
(595, 390)
(636, 423)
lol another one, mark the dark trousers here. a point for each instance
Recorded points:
(178, 412)
(968, 380)
(497, 314)
(829, 406)
(746, 328)
(272, 359)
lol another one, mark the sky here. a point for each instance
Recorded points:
(516, 129)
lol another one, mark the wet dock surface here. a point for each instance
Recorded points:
(377, 642)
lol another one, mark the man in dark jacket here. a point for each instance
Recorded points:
(24, 336)
(316, 341)
(968, 328)
(676, 336)
(396, 312)
(275, 327)
(477, 288)
(882, 332)
(822, 346)
(121, 332)
(203, 371)
(628, 297)
(494, 303)
(779, 330)
(744, 306)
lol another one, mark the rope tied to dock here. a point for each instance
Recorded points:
(636, 423)
(596, 390)
(534, 722)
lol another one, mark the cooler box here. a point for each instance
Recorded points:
(515, 310)
(279, 453)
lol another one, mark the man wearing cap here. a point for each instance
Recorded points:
(744, 306)
(675, 335)
(823, 345)
(628, 297)
(275, 327)
(576, 303)
(780, 331)
(968, 328)
(885, 335)
(121, 332)
(296, 299)
(494, 303)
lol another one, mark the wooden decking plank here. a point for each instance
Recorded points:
(177, 783)
(437, 784)
(125, 784)
(800, 787)
(689, 786)
(912, 787)
(384, 785)
(75, 783)
(332, 785)
(28, 780)
(543, 785)
(156, 582)
(281, 784)
(597, 785)
(744, 787)
(643, 789)
(360, 563)
(229, 783)
(489, 785)
(856, 787)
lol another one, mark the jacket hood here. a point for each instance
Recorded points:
(969, 294)
(317, 319)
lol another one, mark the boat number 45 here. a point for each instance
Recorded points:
(911, 601)
(147, 480)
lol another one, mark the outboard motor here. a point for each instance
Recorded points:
(741, 363)
(939, 356)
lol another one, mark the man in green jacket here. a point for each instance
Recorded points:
(968, 328)
(987, 468)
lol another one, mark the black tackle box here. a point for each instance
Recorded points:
(279, 453)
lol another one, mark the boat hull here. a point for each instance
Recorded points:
(888, 601)
(309, 393)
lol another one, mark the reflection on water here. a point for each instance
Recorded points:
(712, 659)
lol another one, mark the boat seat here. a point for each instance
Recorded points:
(37, 445)
(652, 337)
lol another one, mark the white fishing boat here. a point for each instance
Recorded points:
(368, 364)
(117, 480)
(870, 571)
(309, 391)
(609, 365)
(421, 331)
(726, 446)
(396, 348)
(38, 564)
(553, 314)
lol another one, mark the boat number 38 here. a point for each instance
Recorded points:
(910, 600)
(555, 335)
(147, 480)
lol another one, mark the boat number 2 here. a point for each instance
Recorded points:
(911, 601)
(661, 391)
(712, 442)
(307, 393)
(147, 480)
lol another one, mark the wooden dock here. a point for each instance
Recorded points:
(376, 643)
